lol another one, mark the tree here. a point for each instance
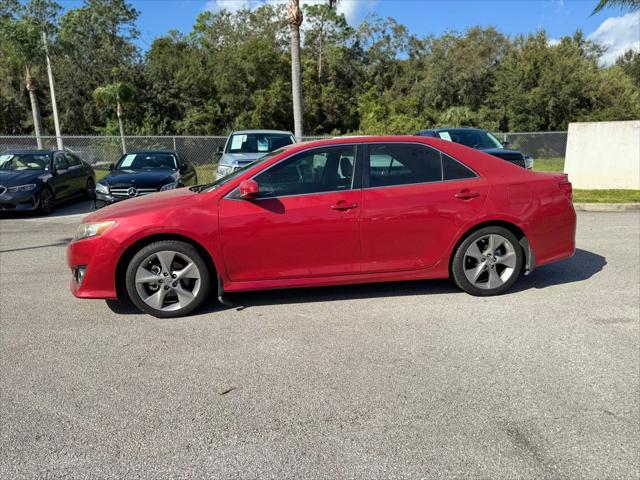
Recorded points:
(294, 16)
(631, 5)
(115, 95)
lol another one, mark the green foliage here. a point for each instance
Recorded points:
(233, 70)
(631, 5)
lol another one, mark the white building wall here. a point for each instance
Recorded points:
(604, 155)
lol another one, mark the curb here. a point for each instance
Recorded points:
(606, 207)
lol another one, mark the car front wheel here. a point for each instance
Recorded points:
(488, 262)
(46, 201)
(168, 279)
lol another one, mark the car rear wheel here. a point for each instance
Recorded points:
(90, 189)
(168, 279)
(46, 201)
(488, 262)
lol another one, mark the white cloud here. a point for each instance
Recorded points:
(552, 42)
(353, 10)
(618, 34)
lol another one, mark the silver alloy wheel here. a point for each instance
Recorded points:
(489, 261)
(168, 280)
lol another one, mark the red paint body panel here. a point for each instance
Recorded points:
(393, 233)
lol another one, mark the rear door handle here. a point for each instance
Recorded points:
(466, 195)
(342, 206)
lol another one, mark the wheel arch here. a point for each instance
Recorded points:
(131, 250)
(529, 263)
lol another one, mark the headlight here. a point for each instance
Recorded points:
(224, 170)
(22, 188)
(86, 230)
(528, 162)
(102, 188)
(169, 186)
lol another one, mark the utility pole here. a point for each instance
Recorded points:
(54, 105)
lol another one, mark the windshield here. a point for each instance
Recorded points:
(471, 138)
(257, 142)
(28, 161)
(148, 161)
(240, 171)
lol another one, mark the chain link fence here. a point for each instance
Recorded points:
(202, 151)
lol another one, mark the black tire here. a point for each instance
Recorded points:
(462, 259)
(46, 201)
(90, 189)
(183, 250)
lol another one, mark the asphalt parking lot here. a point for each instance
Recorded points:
(405, 380)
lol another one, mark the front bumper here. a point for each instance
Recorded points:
(19, 201)
(98, 255)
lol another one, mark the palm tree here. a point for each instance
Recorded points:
(632, 5)
(115, 95)
(294, 17)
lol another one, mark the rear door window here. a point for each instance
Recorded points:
(403, 164)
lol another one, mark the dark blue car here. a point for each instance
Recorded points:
(480, 140)
(38, 179)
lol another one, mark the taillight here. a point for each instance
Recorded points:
(566, 187)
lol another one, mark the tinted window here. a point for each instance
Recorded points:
(60, 162)
(257, 142)
(454, 170)
(401, 164)
(321, 170)
(470, 138)
(72, 160)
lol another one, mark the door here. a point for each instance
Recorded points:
(78, 173)
(414, 201)
(63, 181)
(304, 223)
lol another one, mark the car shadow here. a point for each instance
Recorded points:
(582, 266)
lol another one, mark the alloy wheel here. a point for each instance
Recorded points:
(168, 280)
(489, 261)
(46, 200)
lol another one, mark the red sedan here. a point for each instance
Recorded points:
(339, 211)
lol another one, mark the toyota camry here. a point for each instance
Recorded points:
(339, 211)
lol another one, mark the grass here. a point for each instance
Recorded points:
(606, 196)
(207, 174)
(549, 164)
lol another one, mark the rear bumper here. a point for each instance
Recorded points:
(99, 256)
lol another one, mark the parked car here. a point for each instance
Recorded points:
(39, 179)
(245, 146)
(481, 140)
(338, 211)
(145, 172)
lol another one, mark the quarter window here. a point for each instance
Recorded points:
(401, 164)
(454, 170)
(321, 170)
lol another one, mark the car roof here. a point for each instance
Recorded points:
(454, 129)
(28, 151)
(242, 132)
(151, 151)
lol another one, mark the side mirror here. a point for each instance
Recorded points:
(249, 190)
(220, 149)
(184, 167)
(505, 143)
(111, 167)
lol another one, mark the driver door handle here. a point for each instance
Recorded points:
(343, 206)
(466, 194)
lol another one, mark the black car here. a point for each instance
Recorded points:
(145, 172)
(38, 179)
(480, 140)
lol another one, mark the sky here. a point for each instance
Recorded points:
(612, 27)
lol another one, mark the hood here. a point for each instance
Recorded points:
(141, 205)
(11, 178)
(140, 178)
(240, 158)
(500, 151)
